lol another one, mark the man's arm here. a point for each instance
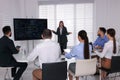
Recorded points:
(95, 43)
(33, 55)
(12, 47)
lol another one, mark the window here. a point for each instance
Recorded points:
(75, 16)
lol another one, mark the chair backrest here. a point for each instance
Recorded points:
(91, 45)
(85, 67)
(115, 64)
(54, 71)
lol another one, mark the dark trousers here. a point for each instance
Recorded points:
(63, 46)
(72, 67)
(18, 70)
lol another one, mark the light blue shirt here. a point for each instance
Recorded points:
(100, 41)
(77, 52)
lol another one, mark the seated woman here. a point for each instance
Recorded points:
(80, 51)
(110, 49)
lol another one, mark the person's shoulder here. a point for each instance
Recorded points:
(106, 38)
(41, 42)
(7, 39)
(108, 44)
(3, 37)
(38, 46)
(53, 42)
(64, 27)
(47, 42)
(76, 47)
(98, 37)
(10, 40)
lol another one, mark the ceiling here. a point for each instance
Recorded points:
(63, 1)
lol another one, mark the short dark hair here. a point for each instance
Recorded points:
(102, 29)
(6, 29)
(47, 33)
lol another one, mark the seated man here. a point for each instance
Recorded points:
(101, 40)
(47, 51)
(7, 48)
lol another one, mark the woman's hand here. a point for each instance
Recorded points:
(70, 32)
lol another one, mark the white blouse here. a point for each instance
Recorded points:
(108, 50)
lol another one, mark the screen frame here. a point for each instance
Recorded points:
(27, 19)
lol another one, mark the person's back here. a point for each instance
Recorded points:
(109, 52)
(7, 48)
(81, 51)
(5, 51)
(48, 51)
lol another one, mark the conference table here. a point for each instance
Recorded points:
(20, 57)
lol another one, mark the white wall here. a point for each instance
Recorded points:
(28, 9)
(108, 14)
(10, 9)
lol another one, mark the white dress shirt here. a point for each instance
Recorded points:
(108, 50)
(47, 51)
(61, 31)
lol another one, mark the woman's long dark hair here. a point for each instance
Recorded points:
(112, 33)
(62, 23)
(84, 37)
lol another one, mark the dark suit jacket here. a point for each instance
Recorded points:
(62, 38)
(7, 48)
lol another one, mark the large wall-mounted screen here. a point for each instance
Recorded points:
(29, 29)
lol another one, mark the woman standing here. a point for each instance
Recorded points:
(62, 35)
(110, 49)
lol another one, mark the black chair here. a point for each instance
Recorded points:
(54, 71)
(91, 45)
(115, 68)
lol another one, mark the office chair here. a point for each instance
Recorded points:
(54, 71)
(115, 68)
(91, 45)
(6, 75)
(84, 68)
